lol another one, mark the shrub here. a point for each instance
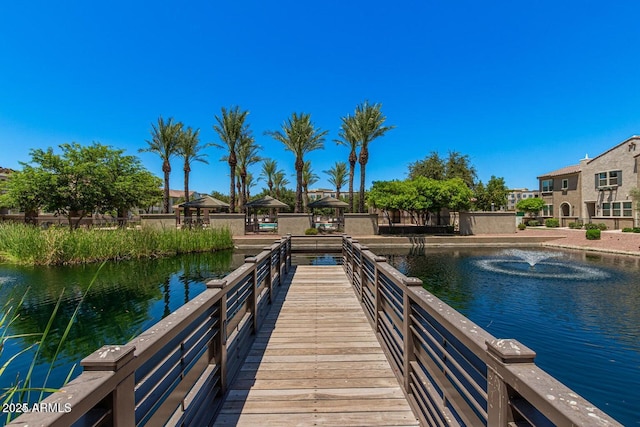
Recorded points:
(636, 229)
(311, 231)
(627, 230)
(591, 226)
(521, 226)
(602, 226)
(552, 222)
(575, 225)
(593, 234)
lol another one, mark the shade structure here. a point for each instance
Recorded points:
(328, 202)
(205, 202)
(266, 202)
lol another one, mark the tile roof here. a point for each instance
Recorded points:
(568, 170)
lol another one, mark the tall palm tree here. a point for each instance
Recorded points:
(308, 178)
(164, 142)
(348, 138)
(280, 183)
(249, 183)
(231, 128)
(337, 176)
(247, 156)
(300, 136)
(368, 125)
(267, 174)
(190, 149)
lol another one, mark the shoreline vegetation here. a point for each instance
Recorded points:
(29, 245)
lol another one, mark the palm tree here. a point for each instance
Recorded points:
(280, 182)
(164, 142)
(247, 156)
(231, 128)
(267, 174)
(368, 125)
(249, 183)
(348, 138)
(337, 176)
(189, 148)
(300, 136)
(308, 178)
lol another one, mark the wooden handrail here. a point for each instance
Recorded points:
(187, 358)
(453, 371)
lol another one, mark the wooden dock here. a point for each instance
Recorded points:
(316, 361)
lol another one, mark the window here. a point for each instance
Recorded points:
(617, 209)
(565, 184)
(608, 179)
(547, 185)
(547, 210)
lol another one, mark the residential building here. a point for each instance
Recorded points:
(175, 197)
(596, 190)
(319, 193)
(517, 194)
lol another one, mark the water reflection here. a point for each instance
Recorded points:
(126, 298)
(579, 311)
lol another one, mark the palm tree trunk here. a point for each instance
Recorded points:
(187, 213)
(232, 188)
(364, 157)
(352, 172)
(299, 167)
(165, 198)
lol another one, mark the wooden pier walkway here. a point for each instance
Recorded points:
(316, 361)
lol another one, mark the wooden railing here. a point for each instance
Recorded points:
(178, 369)
(454, 372)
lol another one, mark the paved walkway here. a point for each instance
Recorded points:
(613, 241)
(316, 361)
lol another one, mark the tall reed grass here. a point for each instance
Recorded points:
(26, 244)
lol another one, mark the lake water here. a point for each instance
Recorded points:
(125, 299)
(579, 312)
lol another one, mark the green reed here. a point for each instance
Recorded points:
(26, 244)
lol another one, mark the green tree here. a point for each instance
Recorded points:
(164, 142)
(349, 139)
(532, 206)
(337, 176)
(493, 196)
(280, 183)
(432, 167)
(435, 167)
(308, 178)
(81, 181)
(368, 125)
(190, 149)
(247, 155)
(300, 136)
(267, 173)
(231, 129)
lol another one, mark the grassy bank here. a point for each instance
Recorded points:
(24, 244)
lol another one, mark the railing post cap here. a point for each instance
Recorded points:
(266, 248)
(510, 351)
(364, 248)
(108, 358)
(216, 283)
(251, 260)
(379, 258)
(411, 281)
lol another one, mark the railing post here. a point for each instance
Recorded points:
(407, 335)
(361, 272)
(267, 277)
(254, 297)
(288, 253)
(376, 294)
(218, 347)
(113, 358)
(501, 353)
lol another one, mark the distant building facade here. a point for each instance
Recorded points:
(596, 190)
(517, 194)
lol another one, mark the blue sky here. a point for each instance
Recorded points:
(523, 88)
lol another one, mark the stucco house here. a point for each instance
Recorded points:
(596, 190)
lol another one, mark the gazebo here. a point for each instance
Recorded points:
(207, 203)
(264, 202)
(330, 202)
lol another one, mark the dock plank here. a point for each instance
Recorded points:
(316, 361)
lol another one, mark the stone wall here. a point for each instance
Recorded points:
(293, 223)
(158, 220)
(473, 223)
(233, 221)
(360, 224)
